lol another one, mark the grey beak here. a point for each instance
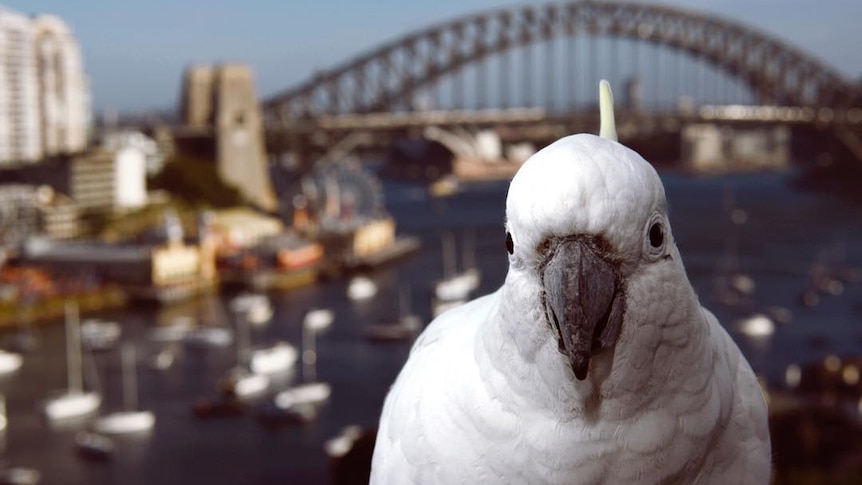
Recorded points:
(583, 300)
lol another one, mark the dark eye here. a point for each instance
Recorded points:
(510, 245)
(656, 235)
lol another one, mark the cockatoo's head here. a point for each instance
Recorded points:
(589, 245)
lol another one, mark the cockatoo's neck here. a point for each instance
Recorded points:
(651, 357)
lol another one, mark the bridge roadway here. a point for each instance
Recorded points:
(537, 124)
(396, 121)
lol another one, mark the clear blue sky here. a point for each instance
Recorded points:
(135, 51)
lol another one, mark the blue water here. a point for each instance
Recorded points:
(785, 232)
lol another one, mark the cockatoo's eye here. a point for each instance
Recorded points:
(510, 244)
(656, 235)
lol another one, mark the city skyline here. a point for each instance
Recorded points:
(139, 69)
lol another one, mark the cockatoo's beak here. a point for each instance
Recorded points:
(583, 298)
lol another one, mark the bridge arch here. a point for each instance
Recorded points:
(387, 77)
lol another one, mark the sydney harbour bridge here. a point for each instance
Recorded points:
(532, 73)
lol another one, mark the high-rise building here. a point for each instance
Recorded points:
(44, 95)
(20, 138)
(62, 87)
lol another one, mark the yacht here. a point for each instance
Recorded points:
(174, 331)
(209, 336)
(276, 358)
(99, 334)
(9, 362)
(406, 326)
(19, 476)
(131, 420)
(457, 286)
(75, 401)
(94, 446)
(255, 307)
(361, 288)
(244, 384)
(303, 394)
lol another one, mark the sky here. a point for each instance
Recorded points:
(135, 51)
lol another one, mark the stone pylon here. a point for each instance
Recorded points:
(222, 100)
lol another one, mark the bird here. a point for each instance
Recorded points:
(593, 363)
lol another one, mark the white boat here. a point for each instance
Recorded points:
(75, 402)
(757, 326)
(407, 325)
(342, 444)
(9, 362)
(256, 308)
(279, 357)
(19, 476)
(13, 475)
(303, 394)
(405, 328)
(94, 445)
(314, 322)
(125, 422)
(242, 384)
(131, 420)
(99, 334)
(361, 288)
(318, 319)
(163, 359)
(71, 405)
(271, 415)
(174, 331)
(444, 186)
(457, 286)
(209, 336)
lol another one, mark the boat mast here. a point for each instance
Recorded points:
(74, 376)
(130, 378)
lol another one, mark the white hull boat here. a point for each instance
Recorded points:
(131, 420)
(75, 402)
(212, 336)
(19, 476)
(302, 394)
(9, 362)
(361, 288)
(99, 334)
(256, 308)
(318, 319)
(125, 422)
(245, 385)
(271, 360)
(71, 405)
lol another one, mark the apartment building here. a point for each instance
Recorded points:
(44, 93)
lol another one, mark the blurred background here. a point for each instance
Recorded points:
(224, 224)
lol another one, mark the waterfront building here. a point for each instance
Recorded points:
(152, 151)
(713, 148)
(44, 93)
(162, 271)
(99, 181)
(28, 211)
(241, 228)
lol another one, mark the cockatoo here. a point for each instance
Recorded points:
(594, 362)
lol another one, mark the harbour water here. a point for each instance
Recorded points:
(784, 232)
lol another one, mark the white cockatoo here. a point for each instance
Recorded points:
(594, 363)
